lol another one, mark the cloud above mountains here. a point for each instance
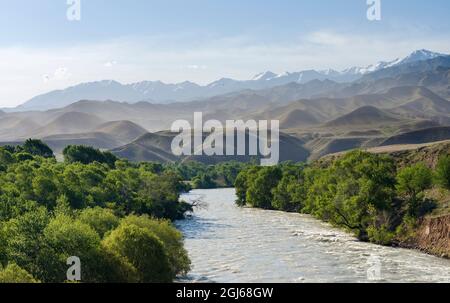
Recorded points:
(200, 60)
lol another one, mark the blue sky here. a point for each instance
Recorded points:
(202, 40)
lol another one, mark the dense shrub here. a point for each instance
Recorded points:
(412, 182)
(143, 250)
(359, 191)
(14, 274)
(443, 172)
(87, 155)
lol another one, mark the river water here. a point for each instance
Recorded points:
(231, 244)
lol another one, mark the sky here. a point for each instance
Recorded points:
(202, 40)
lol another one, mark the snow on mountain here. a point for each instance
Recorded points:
(419, 55)
(265, 76)
(159, 92)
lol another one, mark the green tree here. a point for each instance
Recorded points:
(259, 193)
(63, 238)
(6, 158)
(100, 219)
(14, 274)
(143, 250)
(443, 172)
(37, 148)
(412, 182)
(353, 191)
(87, 155)
(21, 240)
(242, 184)
(289, 195)
(171, 238)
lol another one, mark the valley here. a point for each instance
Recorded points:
(402, 103)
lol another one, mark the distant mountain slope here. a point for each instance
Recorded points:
(157, 147)
(421, 102)
(408, 68)
(96, 139)
(411, 102)
(12, 128)
(363, 116)
(149, 147)
(436, 79)
(297, 118)
(69, 123)
(434, 134)
(123, 131)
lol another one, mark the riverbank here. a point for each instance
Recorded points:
(432, 237)
(368, 194)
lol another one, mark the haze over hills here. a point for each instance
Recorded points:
(363, 117)
(405, 100)
(159, 92)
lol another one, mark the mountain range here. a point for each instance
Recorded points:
(162, 93)
(399, 102)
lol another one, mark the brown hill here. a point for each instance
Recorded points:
(13, 128)
(69, 123)
(434, 134)
(296, 118)
(96, 139)
(365, 116)
(421, 102)
(149, 148)
(123, 131)
(157, 147)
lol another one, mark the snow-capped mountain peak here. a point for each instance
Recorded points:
(159, 92)
(420, 55)
(264, 76)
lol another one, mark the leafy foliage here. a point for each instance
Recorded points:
(412, 182)
(14, 274)
(87, 155)
(443, 172)
(108, 212)
(359, 191)
(207, 176)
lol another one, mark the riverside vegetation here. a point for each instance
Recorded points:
(362, 192)
(115, 216)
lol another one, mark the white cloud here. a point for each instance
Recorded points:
(110, 64)
(195, 66)
(25, 71)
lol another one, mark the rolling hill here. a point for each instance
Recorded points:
(68, 123)
(434, 134)
(157, 147)
(123, 131)
(363, 117)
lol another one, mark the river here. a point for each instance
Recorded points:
(231, 244)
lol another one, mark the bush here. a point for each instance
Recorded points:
(37, 148)
(22, 157)
(259, 193)
(100, 219)
(381, 235)
(14, 274)
(63, 238)
(443, 172)
(50, 211)
(87, 155)
(171, 238)
(143, 250)
(412, 182)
